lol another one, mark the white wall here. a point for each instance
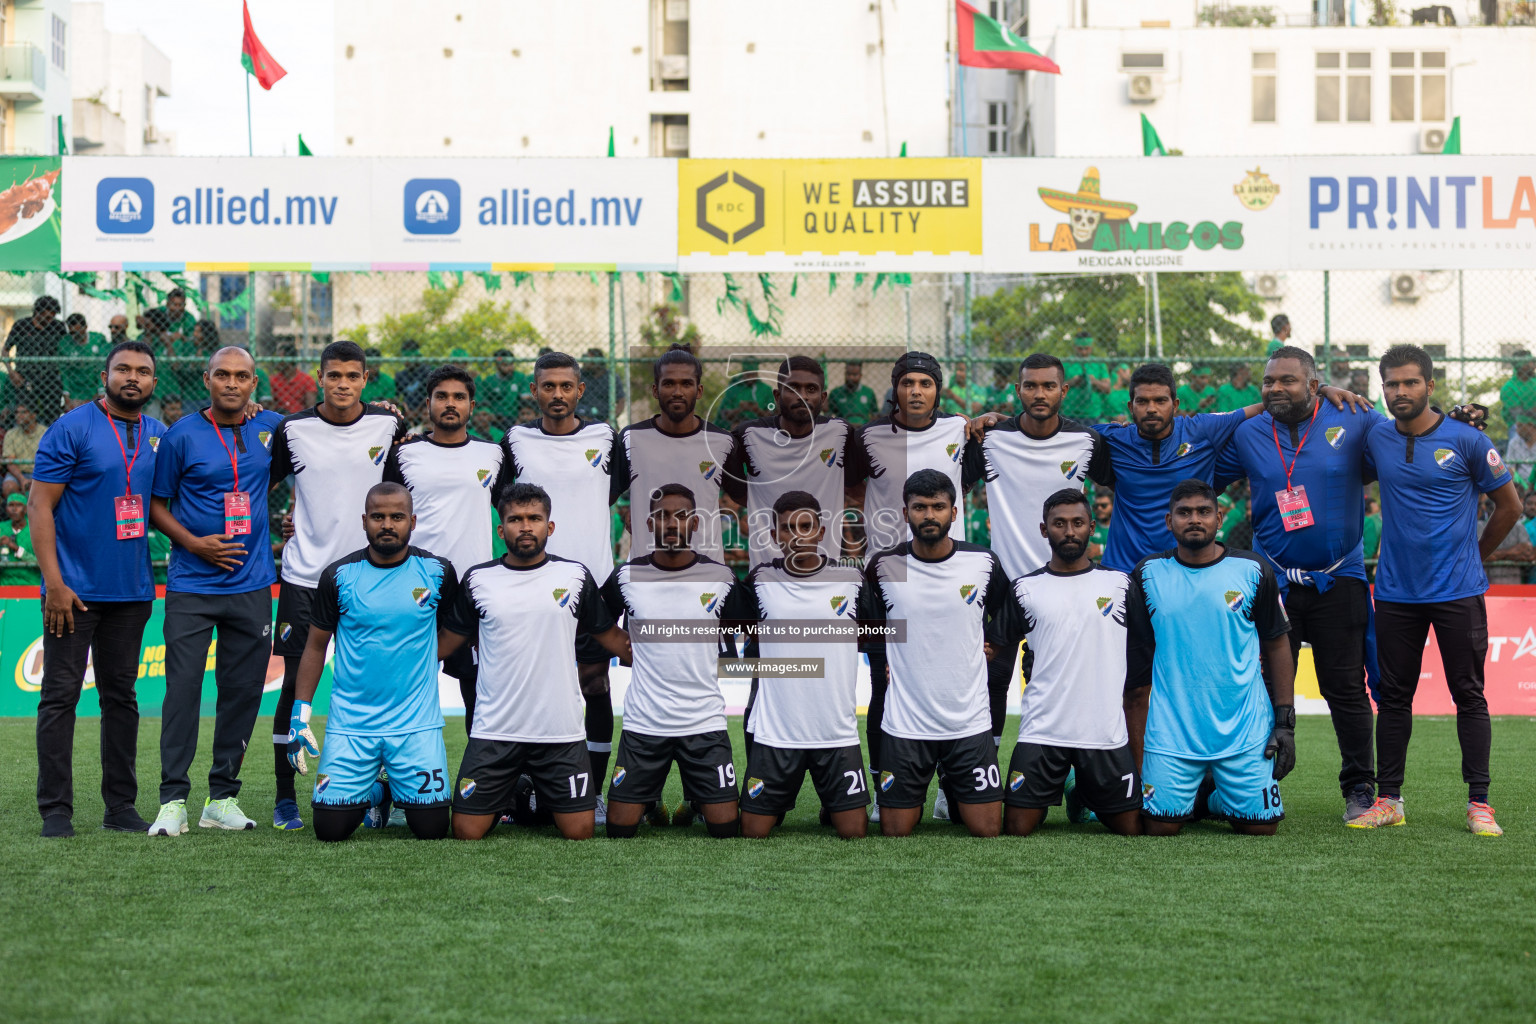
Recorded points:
(36, 128)
(114, 69)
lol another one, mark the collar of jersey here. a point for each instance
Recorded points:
(932, 422)
(502, 561)
(912, 550)
(1068, 575)
(655, 422)
(581, 425)
(1219, 558)
(1438, 423)
(1019, 424)
(330, 422)
(368, 556)
(650, 560)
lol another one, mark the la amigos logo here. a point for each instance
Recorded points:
(1097, 224)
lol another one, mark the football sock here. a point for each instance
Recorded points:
(622, 831)
(333, 824)
(280, 721)
(428, 822)
(1475, 797)
(723, 830)
(599, 734)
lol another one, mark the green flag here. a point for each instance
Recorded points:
(303, 149)
(1150, 143)
(1452, 145)
(903, 149)
(63, 147)
(610, 140)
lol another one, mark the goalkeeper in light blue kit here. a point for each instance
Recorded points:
(383, 605)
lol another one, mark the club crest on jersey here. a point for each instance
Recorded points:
(284, 630)
(1494, 462)
(754, 787)
(1443, 456)
(420, 595)
(708, 470)
(594, 457)
(953, 451)
(376, 454)
(562, 596)
(1106, 605)
(968, 591)
(1068, 468)
(829, 456)
(709, 602)
(1335, 436)
(1147, 789)
(886, 780)
(154, 444)
(1183, 449)
(484, 476)
(618, 775)
(322, 782)
(466, 788)
(1234, 599)
(839, 604)
(265, 437)
(1015, 780)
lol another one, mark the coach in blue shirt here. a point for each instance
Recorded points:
(87, 505)
(1432, 469)
(210, 501)
(1304, 461)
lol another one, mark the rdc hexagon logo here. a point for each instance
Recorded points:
(730, 207)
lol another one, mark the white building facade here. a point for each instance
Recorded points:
(118, 79)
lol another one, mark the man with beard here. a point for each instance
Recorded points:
(1431, 573)
(573, 457)
(87, 507)
(1196, 619)
(673, 710)
(335, 452)
(210, 501)
(936, 714)
(524, 611)
(453, 477)
(384, 731)
(1073, 716)
(676, 446)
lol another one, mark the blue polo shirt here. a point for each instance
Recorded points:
(81, 452)
(192, 472)
(1146, 473)
(1330, 468)
(1429, 488)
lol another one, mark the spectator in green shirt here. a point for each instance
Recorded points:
(1372, 527)
(1087, 384)
(1199, 395)
(499, 392)
(1103, 512)
(978, 521)
(747, 397)
(1280, 327)
(1518, 394)
(1118, 401)
(1005, 399)
(159, 553)
(854, 401)
(179, 321)
(963, 397)
(171, 410)
(81, 379)
(16, 545)
(1239, 391)
(380, 386)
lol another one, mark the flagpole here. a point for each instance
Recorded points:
(250, 145)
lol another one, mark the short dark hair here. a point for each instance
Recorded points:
(74, 318)
(1402, 355)
(45, 303)
(673, 491)
(1065, 496)
(676, 355)
(1301, 355)
(795, 501)
(342, 352)
(388, 487)
(1191, 489)
(928, 483)
(1278, 322)
(805, 363)
(1153, 373)
(157, 319)
(554, 361)
(451, 372)
(131, 345)
(853, 362)
(1042, 361)
(522, 493)
(167, 400)
(175, 293)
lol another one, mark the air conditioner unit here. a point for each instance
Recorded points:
(1431, 140)
(1407, 286)
(672, 67)
(1144, 88)
(1270, 286)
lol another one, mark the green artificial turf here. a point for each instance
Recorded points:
(1321, 923)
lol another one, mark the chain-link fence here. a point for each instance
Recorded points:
(1212, 328)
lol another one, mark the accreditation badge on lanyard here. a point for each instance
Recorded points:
(237, 503)
(1295, 509)
(127, 508)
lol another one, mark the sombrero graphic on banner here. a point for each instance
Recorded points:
(1104, 225)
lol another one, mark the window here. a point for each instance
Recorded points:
(1264, 88)
(1000, 10)
(997, 128)
(1350, 83)
(60, 49)
(1141, 62)
(1418, 77)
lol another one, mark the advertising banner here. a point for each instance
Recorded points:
(829, 215)
(30, 198)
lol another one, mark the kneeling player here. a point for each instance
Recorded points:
(937, 713)
(804, 724)
(383, 604)
(525, 609)
(673, 710)
(1196, 618)
(1073, 714)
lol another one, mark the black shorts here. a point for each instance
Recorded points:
(775, 774)
(1107, 780)
(704, 760)
(295, 604)
(590, 652)
(561, 774)
(967, 766)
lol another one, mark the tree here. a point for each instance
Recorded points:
(480, 330)
(664, 328)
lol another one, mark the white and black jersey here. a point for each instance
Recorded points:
(767, 462)
(939, 673)
(575, 469)
(525, 622)
(333, 466)
(884, 453)
(1021, 472)
(674, 689)
(804, 713)
(1076, 627)
(453, 491)
(647, 457)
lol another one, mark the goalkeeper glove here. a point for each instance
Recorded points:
(300, 739)
(1282, 741)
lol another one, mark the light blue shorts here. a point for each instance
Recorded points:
(417, 764)
(1246, 789)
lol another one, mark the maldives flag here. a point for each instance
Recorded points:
(255, 57)
(985, 43)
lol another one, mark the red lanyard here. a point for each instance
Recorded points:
(1300, 445)
(127, 462)
(218, 432)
